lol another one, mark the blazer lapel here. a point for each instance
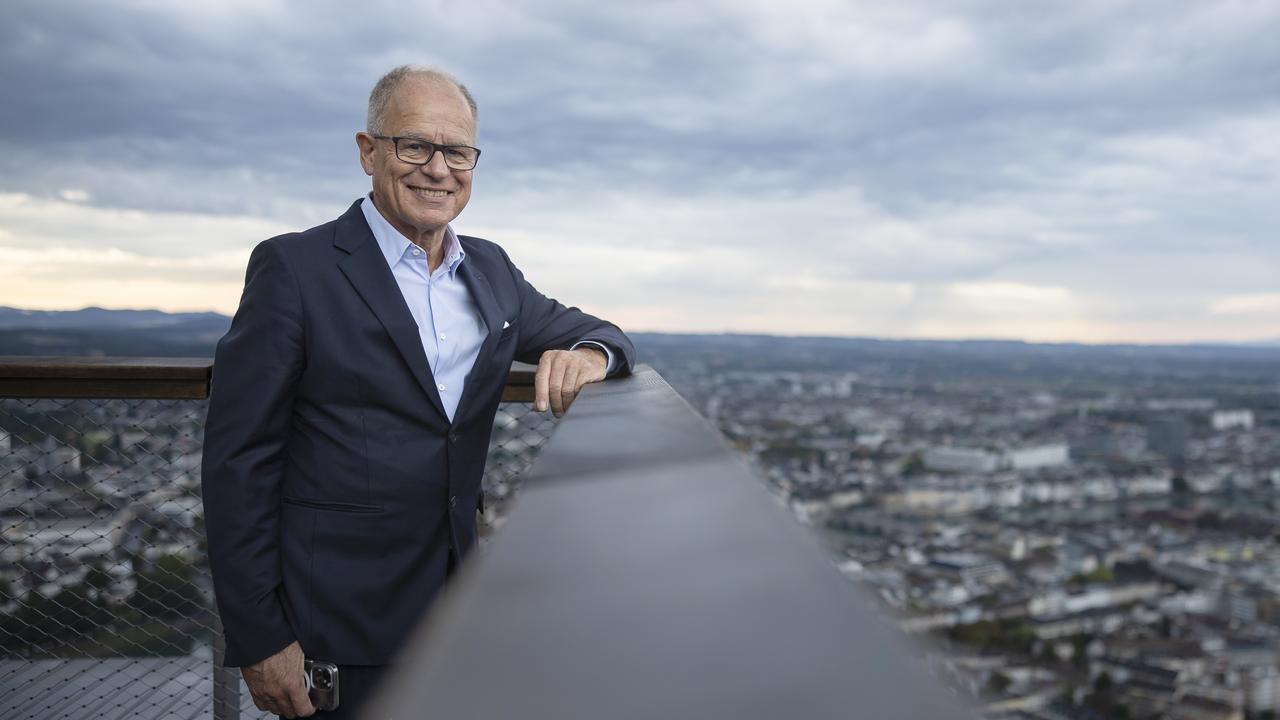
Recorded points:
(482, 295)
(367, 271)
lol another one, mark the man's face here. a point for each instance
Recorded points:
(420, 199)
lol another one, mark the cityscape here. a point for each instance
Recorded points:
(1078, 532)
(959, 325)
(1072, 531)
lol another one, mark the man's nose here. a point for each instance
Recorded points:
(436, 166)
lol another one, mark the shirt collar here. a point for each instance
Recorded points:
(395, 245)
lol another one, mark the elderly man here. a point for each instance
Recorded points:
(353, 399)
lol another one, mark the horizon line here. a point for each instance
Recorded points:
(1255, 343)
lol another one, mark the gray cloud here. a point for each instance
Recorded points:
(1119, 150)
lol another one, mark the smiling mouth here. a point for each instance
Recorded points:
(428, 192)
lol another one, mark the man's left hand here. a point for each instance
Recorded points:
(562, 373)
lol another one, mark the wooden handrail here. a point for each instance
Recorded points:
(51, 376)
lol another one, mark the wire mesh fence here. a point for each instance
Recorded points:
(106, 606)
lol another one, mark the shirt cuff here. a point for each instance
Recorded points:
(609, 365)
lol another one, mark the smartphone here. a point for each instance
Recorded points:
(322, 684)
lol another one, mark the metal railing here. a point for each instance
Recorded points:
(648, 574)
(105, 599)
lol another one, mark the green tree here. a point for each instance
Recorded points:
(913, 466)
(167, 590)
(42, 624)
(1008, 635)
(1081, 643)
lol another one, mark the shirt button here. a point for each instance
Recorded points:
(453, 501)
(441, 336)
(416, 251)
(441, 386)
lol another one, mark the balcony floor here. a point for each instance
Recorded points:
(111, 688)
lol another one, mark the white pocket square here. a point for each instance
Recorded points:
(505, 324)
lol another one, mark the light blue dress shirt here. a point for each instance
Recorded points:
(449, 323)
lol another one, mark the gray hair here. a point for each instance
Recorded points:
(387, 84)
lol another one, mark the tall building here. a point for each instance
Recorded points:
(1167, 436)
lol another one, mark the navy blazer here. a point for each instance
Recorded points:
(337, 493)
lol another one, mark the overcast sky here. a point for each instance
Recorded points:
(1090, 171)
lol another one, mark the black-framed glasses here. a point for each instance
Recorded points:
(417, 151)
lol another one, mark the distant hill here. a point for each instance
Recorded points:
(98, 331)
(980, 360)
(96, 318)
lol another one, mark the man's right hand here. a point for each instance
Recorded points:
(277, 683)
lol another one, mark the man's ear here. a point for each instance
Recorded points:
(367, 146)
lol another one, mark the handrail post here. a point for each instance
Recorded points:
(226, 680)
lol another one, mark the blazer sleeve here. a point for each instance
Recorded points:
(546, 324)
(256, 369)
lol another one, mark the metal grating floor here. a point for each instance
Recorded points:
(112, 688)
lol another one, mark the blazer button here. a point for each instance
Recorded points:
(453, 501)
(453, 438)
